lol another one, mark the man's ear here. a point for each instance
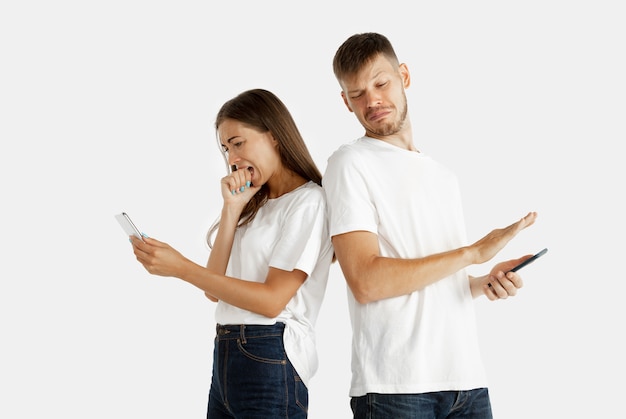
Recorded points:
(345, 101)
(403, 69)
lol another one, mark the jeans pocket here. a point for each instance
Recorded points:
(263, 350)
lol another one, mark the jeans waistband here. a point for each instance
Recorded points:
(236, 331)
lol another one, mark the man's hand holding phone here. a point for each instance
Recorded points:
(499, 290)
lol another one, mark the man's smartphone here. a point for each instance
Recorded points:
(128, 226)
(529, 260)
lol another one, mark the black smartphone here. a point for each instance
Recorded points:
(529, 260)
(128, 226)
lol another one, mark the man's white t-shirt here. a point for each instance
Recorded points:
(425, 341)
(289, 232)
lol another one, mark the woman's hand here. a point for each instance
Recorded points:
(160, 258)
(237, 189)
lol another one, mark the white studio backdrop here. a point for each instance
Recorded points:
(109, 106)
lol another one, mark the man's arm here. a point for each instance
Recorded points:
(363, 267)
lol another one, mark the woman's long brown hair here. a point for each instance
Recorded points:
(265, 112)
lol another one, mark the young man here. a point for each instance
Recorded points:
(399, 235)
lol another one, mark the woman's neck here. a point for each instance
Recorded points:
(285, 181)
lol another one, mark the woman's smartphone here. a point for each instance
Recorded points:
(128, 226)
(529, 260)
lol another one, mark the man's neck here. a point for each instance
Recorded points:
(402, 139)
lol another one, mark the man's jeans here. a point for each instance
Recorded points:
(472, 404)
(252, 376)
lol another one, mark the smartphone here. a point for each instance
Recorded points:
(529, 260)
(128, 226)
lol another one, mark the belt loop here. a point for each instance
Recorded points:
(221, 330)
(242, 333)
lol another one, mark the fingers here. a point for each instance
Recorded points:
(487, 247)
(145, 251)
(155, 256)
(497, 291)
(237, 189)
(146, 242)
(527, 220)
(503, 286)
(238, 182)
(490, 291)
(141, 249)
(522, 223)
(515, 280)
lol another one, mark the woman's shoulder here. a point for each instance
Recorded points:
(311, 189)
(309, 193)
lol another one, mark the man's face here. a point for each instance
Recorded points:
(376, 96)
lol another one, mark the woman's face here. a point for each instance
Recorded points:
(248, 149)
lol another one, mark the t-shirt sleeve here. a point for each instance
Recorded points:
(304, 231)
(350, 207)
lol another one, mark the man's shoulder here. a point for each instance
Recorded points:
(349, 149)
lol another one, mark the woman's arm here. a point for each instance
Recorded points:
(267, 298)
(220, 251)
(234, 203)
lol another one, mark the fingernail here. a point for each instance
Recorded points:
(233, 191)
(248, 184)
(243, 188)
(144, 235)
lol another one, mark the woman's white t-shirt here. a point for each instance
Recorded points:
(289, 232)
(425, 341)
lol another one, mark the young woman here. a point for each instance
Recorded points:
(268, 265)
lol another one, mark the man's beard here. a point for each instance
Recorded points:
(396, 125)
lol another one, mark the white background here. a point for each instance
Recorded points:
(109, 106)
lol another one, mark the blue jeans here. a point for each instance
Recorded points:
(472, 404)
(252, 376)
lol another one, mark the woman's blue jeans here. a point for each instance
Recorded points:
(472, 404)
(252, 376)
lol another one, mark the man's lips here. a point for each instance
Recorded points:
(378, 114)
